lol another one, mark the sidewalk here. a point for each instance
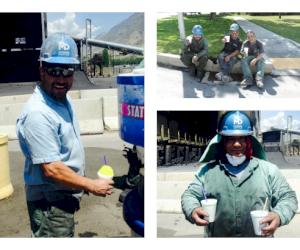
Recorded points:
(179, 84)
(283, 52)
(274, 45)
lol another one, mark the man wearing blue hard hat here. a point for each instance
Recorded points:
(49, 137)
(228, 56)
(195, 52)
(236, 175)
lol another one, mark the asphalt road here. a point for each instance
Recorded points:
(98, 216)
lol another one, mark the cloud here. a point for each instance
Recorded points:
(278, 121)
(68, 25)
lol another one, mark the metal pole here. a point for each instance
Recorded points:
(181, 26)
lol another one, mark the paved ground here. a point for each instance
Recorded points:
(175, 225)
(174, 83)
(98, 217)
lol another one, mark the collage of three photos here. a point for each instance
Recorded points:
(72, 105)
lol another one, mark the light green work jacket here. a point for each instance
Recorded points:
(237, 197)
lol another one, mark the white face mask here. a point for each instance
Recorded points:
(235, 160)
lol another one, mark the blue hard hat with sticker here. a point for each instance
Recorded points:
(235, 123)
(59, 48)
(197, 30)
(234, 27)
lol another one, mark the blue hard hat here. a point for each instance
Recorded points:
(197, 30)
(235, 123)
(234, 27)
(59, 48)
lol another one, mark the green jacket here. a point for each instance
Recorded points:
(199, 48)
(237, 197)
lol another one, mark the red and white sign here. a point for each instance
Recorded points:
(135, 111)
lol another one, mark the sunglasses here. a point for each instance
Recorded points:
(58, 71)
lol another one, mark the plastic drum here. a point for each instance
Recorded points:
(131, 107)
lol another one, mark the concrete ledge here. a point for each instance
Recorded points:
(90, 116)
(174, 61)
(110, 112)
(169, 206)
(171, 189)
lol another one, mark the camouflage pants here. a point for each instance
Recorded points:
(52, 219)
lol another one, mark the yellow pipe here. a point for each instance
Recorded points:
(6, 189)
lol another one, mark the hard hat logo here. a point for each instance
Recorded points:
(63, 46)
(59, 48)
(237, 120)
(235, 123)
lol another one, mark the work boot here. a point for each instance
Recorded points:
(219, 76)
(259, 83)
(200, 75)
(245, 83)
(192, 71)
(226, 79)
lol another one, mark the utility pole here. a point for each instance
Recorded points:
(181, 26)
(88, 35)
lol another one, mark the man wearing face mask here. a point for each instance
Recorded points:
(49, 137)
(236, 173)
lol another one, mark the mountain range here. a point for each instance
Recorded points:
(129, 32)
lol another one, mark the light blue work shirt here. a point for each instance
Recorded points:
(48, 131)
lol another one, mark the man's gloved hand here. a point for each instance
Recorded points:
(198, 216)
(273, 221)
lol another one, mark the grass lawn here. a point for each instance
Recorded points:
(287, 26)
(168, 40)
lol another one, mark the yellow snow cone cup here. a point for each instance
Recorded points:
(105, 172)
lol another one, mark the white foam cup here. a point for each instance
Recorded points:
(246, 49)
(227, 39)
(257, 216)
(105, 177)
(209, 205)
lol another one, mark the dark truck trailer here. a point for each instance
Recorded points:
(20, 43)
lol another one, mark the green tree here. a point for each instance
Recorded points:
(105, 58)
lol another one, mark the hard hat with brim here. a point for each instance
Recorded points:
(235, 123)
(234, 27)
(197, 30)
(59, 48)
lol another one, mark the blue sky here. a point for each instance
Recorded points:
(278, 119)
(74, 23)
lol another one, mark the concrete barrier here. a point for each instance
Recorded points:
(14, 99)
(8, 118)
(90, 116)
(174, 61)
(110, 112)
(97, 93)
(93, 108)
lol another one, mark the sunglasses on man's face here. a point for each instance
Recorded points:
(58, 71)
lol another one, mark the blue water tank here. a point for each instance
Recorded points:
(131, 107)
